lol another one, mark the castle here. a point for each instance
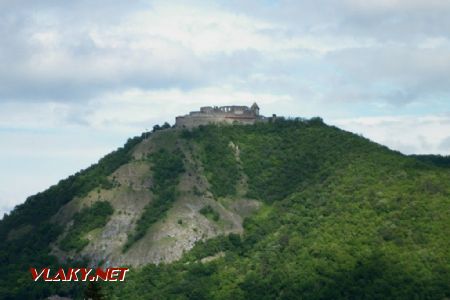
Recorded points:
(220, 114)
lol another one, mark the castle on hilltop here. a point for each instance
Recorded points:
(220, 114)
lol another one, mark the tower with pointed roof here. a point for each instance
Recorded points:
(255, 109)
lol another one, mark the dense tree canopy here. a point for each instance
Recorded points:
(342, 218)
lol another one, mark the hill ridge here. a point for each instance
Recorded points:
(317, 211)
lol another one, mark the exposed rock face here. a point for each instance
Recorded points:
(167, 239)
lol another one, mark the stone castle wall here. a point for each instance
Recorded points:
(193, 121)
(220, 115)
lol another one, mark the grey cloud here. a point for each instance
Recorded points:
(383, 20)
(81, 10)
(82, 69)
(445, 145)
(396, 67)
(394, 70)
(396, 74)
(90, 72)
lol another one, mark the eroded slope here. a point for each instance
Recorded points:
(173, 234)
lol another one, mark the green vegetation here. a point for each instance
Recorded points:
(210, 213)
(345, 219)
(40, 207)
(93, 291)
(158, 127)
(217, 157)
(434, 160)
(87, 219)
(166, 166)
(33, 248)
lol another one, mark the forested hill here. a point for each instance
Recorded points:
(293, 209)
(435, 160)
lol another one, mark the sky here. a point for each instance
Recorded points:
(77, 78)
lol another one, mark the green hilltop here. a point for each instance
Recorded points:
(337, 217)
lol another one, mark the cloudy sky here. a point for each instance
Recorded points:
(77, 78)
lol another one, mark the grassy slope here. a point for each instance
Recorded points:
(345, 218)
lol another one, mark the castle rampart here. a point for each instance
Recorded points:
(220, 114)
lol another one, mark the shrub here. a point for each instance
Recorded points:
(85, 220)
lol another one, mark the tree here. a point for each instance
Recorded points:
(94, 291)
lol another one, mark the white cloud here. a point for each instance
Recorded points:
(398, 5)
(79, 77)
(136, 109)
(409, 134)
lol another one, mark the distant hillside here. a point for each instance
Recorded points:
(283, 210)
(435, 160)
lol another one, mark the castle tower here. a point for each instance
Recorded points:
(230, 114)
(255, 109)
